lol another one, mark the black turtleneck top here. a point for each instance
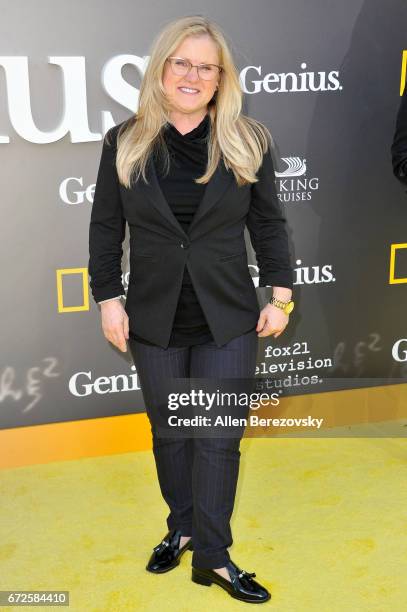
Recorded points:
(188, 160)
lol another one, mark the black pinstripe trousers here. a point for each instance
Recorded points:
(197, 475)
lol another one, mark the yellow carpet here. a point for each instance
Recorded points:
(322, 522)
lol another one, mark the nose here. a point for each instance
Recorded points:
(193, 74)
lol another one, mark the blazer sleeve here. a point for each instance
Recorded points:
(267, 229)
(399, 144)
(107, 227)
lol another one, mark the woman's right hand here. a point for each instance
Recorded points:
(115, 323)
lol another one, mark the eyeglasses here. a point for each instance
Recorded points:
(181, 67)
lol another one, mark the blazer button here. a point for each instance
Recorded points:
(184, 245)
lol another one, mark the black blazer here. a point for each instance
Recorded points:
(399, 144)
(213, 249)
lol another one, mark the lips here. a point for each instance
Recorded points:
(191, 93)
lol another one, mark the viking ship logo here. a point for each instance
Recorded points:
(295, 167)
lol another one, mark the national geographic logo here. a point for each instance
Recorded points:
(75, 289)
(81, 286)
(398, 251)
(403, 75)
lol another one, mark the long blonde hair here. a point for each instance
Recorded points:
(240, 139)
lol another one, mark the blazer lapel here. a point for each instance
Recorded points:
(215, 188)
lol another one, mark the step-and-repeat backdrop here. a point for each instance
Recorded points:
(325, 77)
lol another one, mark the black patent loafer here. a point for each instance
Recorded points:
(167, 554)
(242, 585)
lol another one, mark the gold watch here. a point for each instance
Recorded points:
(286, 306)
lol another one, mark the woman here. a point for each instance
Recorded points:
(187, 172)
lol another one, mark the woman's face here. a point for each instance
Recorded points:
(198, 50)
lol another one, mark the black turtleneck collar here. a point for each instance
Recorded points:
(201, 130)
(188, 152)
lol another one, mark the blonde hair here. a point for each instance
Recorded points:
(241, 140)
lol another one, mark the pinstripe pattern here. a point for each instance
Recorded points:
(197, 476)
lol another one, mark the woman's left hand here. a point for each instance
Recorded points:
(272, 321)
